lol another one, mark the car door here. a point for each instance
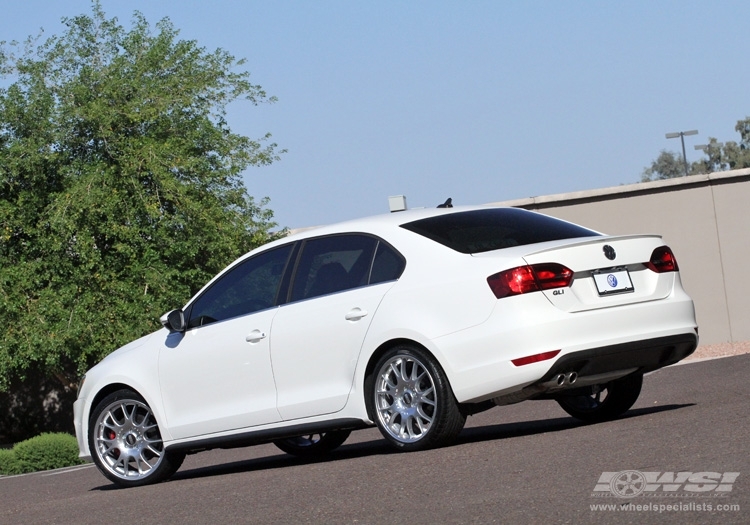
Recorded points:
(217, 375)
(317, 337)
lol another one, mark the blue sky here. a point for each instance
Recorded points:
(481, 101)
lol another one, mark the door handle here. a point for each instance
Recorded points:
(355, 314)
(255, 336)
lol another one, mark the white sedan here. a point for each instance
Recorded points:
(410, 321)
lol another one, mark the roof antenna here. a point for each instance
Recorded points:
(446, 204)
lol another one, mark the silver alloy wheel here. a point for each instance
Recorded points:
(405, 398)
(127, 441)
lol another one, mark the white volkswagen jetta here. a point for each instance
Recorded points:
(409, 321)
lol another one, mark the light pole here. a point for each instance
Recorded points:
(682, 134)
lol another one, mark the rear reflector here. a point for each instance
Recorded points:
(535, 358)
(525, 279)
(662, 260)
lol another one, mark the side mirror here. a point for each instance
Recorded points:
(174, 321)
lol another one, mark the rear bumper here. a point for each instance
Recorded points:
(645, 356)
(638, 337)
(598, 366)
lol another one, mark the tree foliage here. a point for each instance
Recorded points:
(718, 157)
(667, 165)
(120, 186)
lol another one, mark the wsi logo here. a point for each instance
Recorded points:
(632, 483)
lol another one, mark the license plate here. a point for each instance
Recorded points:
(613, 282)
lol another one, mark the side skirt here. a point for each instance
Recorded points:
(258, 437)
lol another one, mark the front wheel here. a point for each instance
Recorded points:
(311, 445)
(410, 399)
(126, 444)
(603, 402)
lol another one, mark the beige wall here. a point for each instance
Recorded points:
(705, 219)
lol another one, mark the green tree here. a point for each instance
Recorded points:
(728, 156)
(719, 157)
(120, 187)
(667, 165)
(715, 159)
(737, 155)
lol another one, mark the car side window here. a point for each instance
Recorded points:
(387, 266)
(250, 286)
(333, 264)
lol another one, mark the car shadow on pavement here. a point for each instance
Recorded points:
(375, 447)
(277, 461)
(540, 426)
(282, 460)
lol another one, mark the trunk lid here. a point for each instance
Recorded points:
(608, 271)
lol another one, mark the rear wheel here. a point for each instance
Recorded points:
(602, 402)
(126, 444)
(313, 444)
(411, 401)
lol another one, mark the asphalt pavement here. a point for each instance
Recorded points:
(679, 456)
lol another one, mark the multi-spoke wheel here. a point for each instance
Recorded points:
(126, 444)
(603, 402)
(313, 444)
(411, 401)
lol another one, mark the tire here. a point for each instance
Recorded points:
(603, 402)
(409, 398)
(310, 445)
(126, 444)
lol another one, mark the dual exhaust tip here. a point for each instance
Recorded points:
(566, 379)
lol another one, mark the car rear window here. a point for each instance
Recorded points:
(480, 231)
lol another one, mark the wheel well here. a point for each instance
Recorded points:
(467, 408)
(107, 390)
(378, 353)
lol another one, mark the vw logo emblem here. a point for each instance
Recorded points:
(609, 252)
(612, 280)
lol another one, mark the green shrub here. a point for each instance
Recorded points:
(45, 452)
(8, 463)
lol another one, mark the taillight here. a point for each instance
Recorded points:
(552, 275)
(662, 261)
(525, 279)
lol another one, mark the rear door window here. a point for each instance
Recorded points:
(333, 264)
(388, 264)
(342, 262)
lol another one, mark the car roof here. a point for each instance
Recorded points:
(381, 222)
